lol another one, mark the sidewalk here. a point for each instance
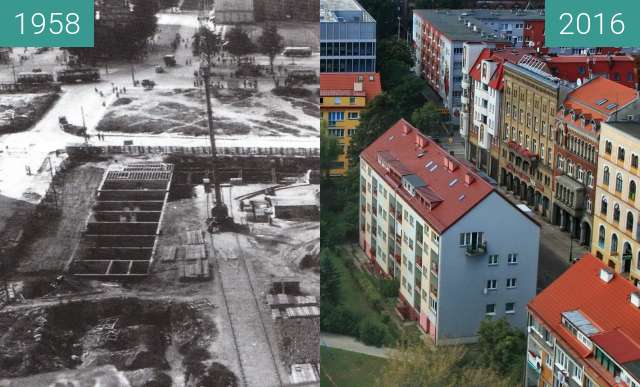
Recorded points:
(348, 343)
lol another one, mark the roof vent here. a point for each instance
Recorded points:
(469, 179)
(606, 274)
(635, 299)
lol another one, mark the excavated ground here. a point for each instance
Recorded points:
(131, 335)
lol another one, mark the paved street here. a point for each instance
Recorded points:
(348, 343)
(554, 249)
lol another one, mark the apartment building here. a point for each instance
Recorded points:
(579, 120)
(584, 330)
(343, 96)
(424, 219)
(480, 120)
(438, 38)
(620, 68)
(234, 11)
(617, 215)
(530, 101)
(347, 37)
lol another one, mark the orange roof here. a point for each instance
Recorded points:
(605, 305)
(449, 198)
(590, 95)
(344, 83)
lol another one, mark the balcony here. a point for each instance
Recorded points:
(363, 208)
(419, 261)
(476, 250)
(466, 83)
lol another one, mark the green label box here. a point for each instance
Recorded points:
(592, 23)
(46, 23)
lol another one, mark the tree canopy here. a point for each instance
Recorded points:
(270, 43)
(428, 119)
(419, 365)
(238, 42)
(502, 346)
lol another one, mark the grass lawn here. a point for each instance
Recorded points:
(341, 368)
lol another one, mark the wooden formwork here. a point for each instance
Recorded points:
(121, 231)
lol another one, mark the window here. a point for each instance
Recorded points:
(619, 182)
(352, 100)
(492, 284)
(632, 190)
(472, 239)
(605, 176)
(337, 100)
(620, 153)
(607, 147)
(603, 206)
(511, 283)
(490, 309)
(616, 212)
(493, 260)
(629, 221)
(614, 244)
(601, 237)
(634, 161)
(354, 115)
(510, 308)
(512, 258)
(336, 116)
(336, 132)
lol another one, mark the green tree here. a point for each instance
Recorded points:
(393, 73)
(238, 43)
(428, 119)
(372, 332)
(502, 347)
(329, 148)
(377, 117)
(393, 50)
(207, 41)
(418, 365)
(330, 283)
(385, 12)
(270, 43)
(408, 95)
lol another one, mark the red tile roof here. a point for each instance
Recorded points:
(344, 83)
(585, 58)
(584, 100)
(606, 305)
(499, 56)
(449, 202)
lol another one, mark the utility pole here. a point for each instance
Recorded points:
(219, 211)
(133, 75)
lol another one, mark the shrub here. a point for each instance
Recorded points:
(339, 319)
(389, 288)
(372, 332)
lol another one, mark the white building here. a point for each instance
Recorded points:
(234, 11)
(426, 218)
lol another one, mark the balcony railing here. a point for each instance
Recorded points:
(419, 261)
(477, 249)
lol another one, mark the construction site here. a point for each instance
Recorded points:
(119, 274)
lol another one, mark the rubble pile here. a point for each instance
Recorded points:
(299, 340)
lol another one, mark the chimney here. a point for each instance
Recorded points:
(606, 275)
(406, 129)
(635, 299)
(358, 86)
(469, 179)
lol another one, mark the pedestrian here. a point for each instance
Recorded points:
(245, 83)
(101, 94)
(125, 90)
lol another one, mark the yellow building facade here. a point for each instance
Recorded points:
(617, 211)
(343, 96)
(342, 115)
